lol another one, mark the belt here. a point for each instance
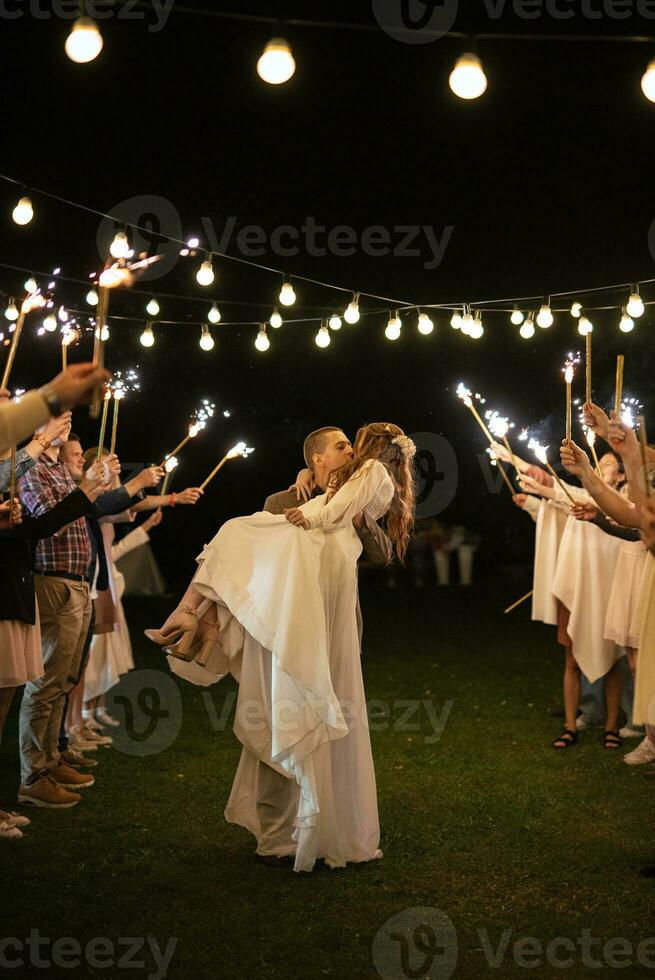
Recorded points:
(66, 575)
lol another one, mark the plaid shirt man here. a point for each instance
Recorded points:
(70, 549)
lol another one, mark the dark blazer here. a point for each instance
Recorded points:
(17, 547)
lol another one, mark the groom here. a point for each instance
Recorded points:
(325, 450)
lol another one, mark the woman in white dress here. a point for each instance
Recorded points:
(274, 603)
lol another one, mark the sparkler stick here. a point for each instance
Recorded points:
(512, 456)
(643, 444)
(540, 453)
(591, 442)
(64, 355)
(518, 602)
(32, 302)
(118, 395)
(99, 349)
(12, 484)
(170, 466)
(103, 423)
(201, 416)
(618, 394)
(239, 450)
(588, 366)
(465, 396)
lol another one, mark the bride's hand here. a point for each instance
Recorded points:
(296, 517)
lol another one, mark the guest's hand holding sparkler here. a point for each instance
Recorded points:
(501, 452)
(12, 515)
(58, 427)
(530, 485)
(76, 384)
(154, 519)
(595, 419)
(622, 438)
(575, 460)
(584, 512)
(189, 496)
(95, 482)
(520, 499)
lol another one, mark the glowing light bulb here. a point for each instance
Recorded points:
(206, 339)
(84, 43)
(23, 212)
(425, 324)
(456, 321)
(517, 318)
(627, 323)
(31, 285)
(11, 313)
(287, 294)
(276, 320)
(393, 328)
(335, 322)
(120, 245)
(205, 274)
(545, 317)
(635, 307)
(92, 297)
(214, 315)
(527, 329)
(467, 324)
(147, 338)
(648, 82)
(323, 338)
(576, 309)
(477, 330)
(585, 326)
(351, 315)
(467, 79)
(276, 65)
(152, 309)
(50, 322)
(262, 343)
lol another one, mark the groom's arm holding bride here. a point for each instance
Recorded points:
(377, 547)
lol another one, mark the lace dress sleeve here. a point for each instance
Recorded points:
(370, 489)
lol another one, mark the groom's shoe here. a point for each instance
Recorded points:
(275, 860)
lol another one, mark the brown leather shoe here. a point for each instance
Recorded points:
(70, 778)
(77, 760)
(47, 793)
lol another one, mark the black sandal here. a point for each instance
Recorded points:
(567, 739)
(613, 740)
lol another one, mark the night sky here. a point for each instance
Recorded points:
(546, 181)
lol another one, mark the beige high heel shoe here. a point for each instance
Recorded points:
(186, 622)
(196, 648)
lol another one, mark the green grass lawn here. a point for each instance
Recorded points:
(488, 825)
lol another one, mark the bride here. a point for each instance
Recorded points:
(274, 603)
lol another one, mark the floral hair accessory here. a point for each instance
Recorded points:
(407, 446)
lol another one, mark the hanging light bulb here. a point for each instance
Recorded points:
(648, 82)
(120, 245)
(467, 324)
(527, 328)
(50, 322)
(205, 274)
(214, 315)
(287, 294)
(31, 285)
(147, 338)
(351, 315)
(467, 79)
(393, 328)
(152, 309)
(335, 322)
(206, 339)
(576, 309)
(635, 307)
(323, 338)
(102, 334)
(477, 329)
(23, 212)
(517, 317)
(585, 326)
(276, 319)
(425, 324)
(84, 43)
(545, 317)
(627, 323)
(262, 343)
(456, 320)
(11, 313)
(92, 297)
(276, 65)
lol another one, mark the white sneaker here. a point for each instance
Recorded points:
(644, 753)
(631, 732)
(8, 832)
(14, 819)
(104, 718)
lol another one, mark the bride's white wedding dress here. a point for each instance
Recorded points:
(287, 631)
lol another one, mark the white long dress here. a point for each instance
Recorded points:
(551, 521)
(286, 604)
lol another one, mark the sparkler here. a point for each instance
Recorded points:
(103, 423)
(12, 484)
(198, 422)
(518, 602)
(499, 427)
(569, 373)
(121, 386)
(239, 450)
(618, 392)
(541, 452)
(467, 397)
(591, 442)
(588, 366)
(170, 465)
(33, 301)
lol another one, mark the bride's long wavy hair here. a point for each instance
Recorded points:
(375, 441)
